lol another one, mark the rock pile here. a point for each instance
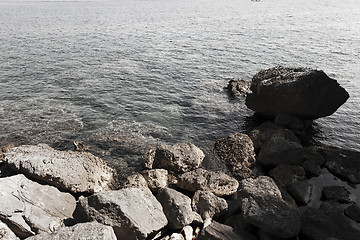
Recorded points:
(269, 192)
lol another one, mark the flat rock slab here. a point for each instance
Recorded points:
(263, 206)
(327, 222)
(68, 170)
(6, 233)
(29, 207)
(216, 182)
(302, 92)
(134, 213)
(88, 231)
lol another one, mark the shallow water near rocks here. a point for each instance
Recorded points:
(124, 75)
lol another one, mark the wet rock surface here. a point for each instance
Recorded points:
(337, 193)
(302, 92)
(84, 173)
(301, 191)
(353, 212)
(216, 182)
(134, 213)
(283, 147)
(327, 222)
(238, 88)
(28, 207)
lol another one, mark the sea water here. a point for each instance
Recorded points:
(136, 73)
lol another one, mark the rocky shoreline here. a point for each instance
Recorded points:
(269, 189)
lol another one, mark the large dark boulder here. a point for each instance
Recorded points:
(301, 92)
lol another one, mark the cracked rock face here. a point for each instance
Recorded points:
(68, 170)
(31, 207)
(134, 213)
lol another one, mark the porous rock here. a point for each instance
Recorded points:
(176, 206)
(263, 206)
(179, 158)
(208, 204)
(156, 178)
(135, 181)
(302, 92)
(134, 213)
(237, 152)
(6, 233)
(30, 207)
(327, 222)
(68, 170)
(283, 147)
(89, 230)
(216, 182)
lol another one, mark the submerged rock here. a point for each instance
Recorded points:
(134, 213)
(301, 92)
(263, 206)
(89, 230)
(343, 163)
(177, 207)
(237, 151)
(327, 222)
(216, 182)
(337, 193)
(353, 212)
(73, 171)
(28, 207)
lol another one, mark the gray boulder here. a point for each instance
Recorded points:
(134, 213)
(327, 222)
(86, 231)
(301, 92)
(218, 231)
(313, 161)
(6, 233)
(353, 212)
(30, 208)
(285, 174)
(208, 205)
(156, 178)
(237, 152)
(263, 206)
(216, 182)
(68, 170)
(180, 158)
(177, 207)
(134, 181)
(283, 147)
(289, 122)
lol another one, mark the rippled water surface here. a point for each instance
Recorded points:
(135, 73)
